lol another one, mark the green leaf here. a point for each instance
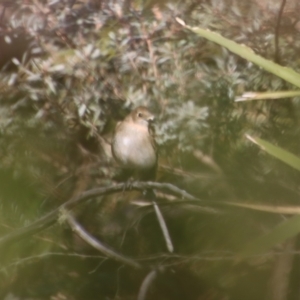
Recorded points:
(285, 73)
(279, 234)
(285, 156)
(248, 96)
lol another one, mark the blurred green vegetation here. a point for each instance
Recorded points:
(83, 66)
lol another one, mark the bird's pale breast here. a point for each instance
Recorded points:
(133, 148)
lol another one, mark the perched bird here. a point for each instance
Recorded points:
(134, 148)
(133, 144)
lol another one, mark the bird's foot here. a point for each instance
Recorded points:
(128, 184)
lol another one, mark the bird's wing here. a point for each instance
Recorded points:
(152, 139)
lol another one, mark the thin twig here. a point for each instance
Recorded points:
(147, 282)
(77, 228)
(163, 227)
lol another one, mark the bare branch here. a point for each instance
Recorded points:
(76, 227)
(147, 282)
(163, 227)
(51, 218)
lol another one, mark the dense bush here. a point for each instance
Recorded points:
(81, 66)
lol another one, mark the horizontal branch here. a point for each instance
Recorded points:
(52, 217)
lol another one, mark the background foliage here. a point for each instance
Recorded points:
(86, 65)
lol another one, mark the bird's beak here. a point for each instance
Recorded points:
(151, 119)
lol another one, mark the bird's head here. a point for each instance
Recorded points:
(141, 115)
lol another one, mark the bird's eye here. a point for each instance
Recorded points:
(140, 115)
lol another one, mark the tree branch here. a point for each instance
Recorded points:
(147, 282)
(52, 217)
(76, 227)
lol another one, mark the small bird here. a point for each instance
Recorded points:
(134, 148)
(133, 144)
